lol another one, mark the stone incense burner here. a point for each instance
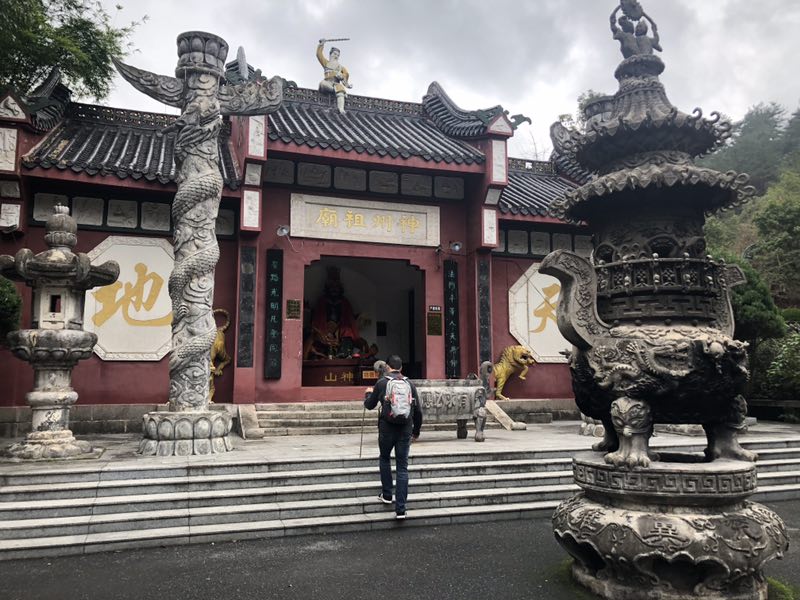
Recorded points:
(650, 318)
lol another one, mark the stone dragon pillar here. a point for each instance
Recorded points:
(201, 91)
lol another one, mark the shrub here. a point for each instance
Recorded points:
(783, 375)
(10, 305)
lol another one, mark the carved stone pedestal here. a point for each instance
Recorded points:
(186, 433)
(673, 531)
(52, 354)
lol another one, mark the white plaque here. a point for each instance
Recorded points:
(132, 316)
(87, 211)
(250, 209)
(498, 160)
(43, 205)
(364, 221)
(489, 227)
(517, 242)
(9, 215)
(122, 213)
(8, 149)
(155, 216)
(532, 306)
(255, 143)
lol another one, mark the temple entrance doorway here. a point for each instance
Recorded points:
(357, 311)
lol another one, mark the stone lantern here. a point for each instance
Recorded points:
(56, 342)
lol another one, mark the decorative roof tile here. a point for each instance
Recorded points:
(532, 187)
(456, 121)
(370, 126)
(110, 141)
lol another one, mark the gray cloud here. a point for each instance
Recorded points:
(534, 57)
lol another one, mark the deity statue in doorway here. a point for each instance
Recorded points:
(333, 325)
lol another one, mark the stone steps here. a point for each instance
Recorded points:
(78, 509)
(331, 418)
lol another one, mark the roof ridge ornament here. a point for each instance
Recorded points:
(336, 76)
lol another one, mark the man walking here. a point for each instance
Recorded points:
(399, 421)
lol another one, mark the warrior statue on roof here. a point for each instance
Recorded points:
(336, 75)
(633, 39)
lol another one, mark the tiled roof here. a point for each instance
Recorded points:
(453, 120)
(111, 141)
(532, 187)
(369, 126)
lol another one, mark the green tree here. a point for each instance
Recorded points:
(757, 317)
(77, 36)
(756, 146)
(777, 256)
(10, 305)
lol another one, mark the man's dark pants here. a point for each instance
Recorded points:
(397, 437)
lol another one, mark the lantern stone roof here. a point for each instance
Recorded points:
(98, 140)
(532, 186)
(372, 126)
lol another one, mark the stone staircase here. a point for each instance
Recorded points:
(81, 508)
(325, 418)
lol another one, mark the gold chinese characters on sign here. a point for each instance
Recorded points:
(364, 221)
(140, 295)
(132, 317)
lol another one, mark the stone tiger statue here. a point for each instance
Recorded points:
(513, 359)
(218, 352)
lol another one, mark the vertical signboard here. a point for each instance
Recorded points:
(484, 312)
(452, 346)
(274, 304)
(247, 306)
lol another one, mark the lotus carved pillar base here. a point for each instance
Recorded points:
(186, 433)
(48, 445)
(674, 531)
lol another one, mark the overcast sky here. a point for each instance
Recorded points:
(533, 57)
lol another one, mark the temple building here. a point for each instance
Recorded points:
(345, 234)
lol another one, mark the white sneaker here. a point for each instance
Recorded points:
(382, 498)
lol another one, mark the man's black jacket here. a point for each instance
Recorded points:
(378, 394)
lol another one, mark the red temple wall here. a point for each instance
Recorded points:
(543, 380)
(115, 382)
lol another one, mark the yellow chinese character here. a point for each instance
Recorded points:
(347, 376)
(330, 377)
(382, 222)
(133, 294)
(409, 224)
(328, 218)
(547, 309)
(354, 219)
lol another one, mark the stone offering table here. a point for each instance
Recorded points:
(454, 401)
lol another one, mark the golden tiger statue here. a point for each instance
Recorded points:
(514, 359)
(218, 352)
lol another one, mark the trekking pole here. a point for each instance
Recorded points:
(361, 443)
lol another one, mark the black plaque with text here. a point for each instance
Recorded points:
(452, 346)
(484, 311)
(247, 306)
(274, 315)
